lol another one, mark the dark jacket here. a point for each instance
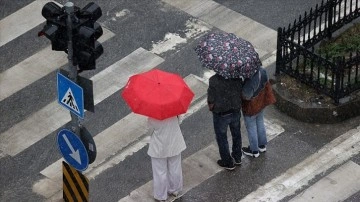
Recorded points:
(254, 85)
(224, 94)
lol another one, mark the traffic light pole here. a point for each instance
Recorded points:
(75, 31)
(69, 9)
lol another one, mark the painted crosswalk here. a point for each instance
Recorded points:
(8, 30)
(336, 152)
(230, 21)
(129, 135)
(198, 167)
(334, 182)
(106, 83)
(133, 129)
(34, 68)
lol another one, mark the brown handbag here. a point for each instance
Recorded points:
(256, 104)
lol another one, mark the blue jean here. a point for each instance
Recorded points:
(221, 123)
(256, 130)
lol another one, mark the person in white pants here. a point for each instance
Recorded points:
(166, 145)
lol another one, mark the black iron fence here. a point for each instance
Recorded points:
(297, 56)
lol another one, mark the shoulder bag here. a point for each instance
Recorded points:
(256, 104)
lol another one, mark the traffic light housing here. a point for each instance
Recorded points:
(85, 32)
(55, 28)
(86, 47)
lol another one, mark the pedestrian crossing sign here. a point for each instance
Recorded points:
(70, 95)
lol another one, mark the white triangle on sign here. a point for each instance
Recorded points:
(69, 100)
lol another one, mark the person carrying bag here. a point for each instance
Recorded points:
(256, 95)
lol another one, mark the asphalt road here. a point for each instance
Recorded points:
(141, 35)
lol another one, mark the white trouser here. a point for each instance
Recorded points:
(167, 176)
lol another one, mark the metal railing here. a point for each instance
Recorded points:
(296, 55)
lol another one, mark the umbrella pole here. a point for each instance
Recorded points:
(69, 9)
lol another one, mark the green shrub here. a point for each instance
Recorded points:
(346, 43)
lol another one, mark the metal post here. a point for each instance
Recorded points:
(339, 72)
(69, 9)
(331, 5)
(278, 51)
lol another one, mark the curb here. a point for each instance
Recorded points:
(312, 112)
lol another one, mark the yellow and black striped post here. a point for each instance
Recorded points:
(75, 184)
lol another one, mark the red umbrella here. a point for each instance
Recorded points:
(157, 94)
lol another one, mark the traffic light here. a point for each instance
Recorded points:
(55, 28)
(85, 31)
(85, 34)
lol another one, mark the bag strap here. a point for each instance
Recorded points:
(259, 80)
(257, 88)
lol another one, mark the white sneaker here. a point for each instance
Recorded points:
(262, 148)
(247, 151)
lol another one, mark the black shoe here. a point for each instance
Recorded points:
(226, 165)
(247, 151)
(237, 161)
(262, 148)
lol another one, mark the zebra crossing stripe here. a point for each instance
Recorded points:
(54, 116)
(198, 167)
(35, 67)
(133, 128)
(339, 185)
(201, 165)
(75, 184)
(334, 153)
(16, 24)
(230, 21)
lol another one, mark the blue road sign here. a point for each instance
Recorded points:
(73, 150)
(70, 95)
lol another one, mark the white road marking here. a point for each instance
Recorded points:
(117, 138)
(2, 154)
(337, 186)
(197, 168)
(54, 116)
(133, 131)
(35, 67)
(17, 24)
(171, 40)
(263, 38)
(201, 165)
(334, 153)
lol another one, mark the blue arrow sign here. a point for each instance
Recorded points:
(73, 150)
(70, 95)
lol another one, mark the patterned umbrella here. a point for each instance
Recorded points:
(228, 55)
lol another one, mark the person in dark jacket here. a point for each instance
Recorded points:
(255, 124)
(224, 100)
